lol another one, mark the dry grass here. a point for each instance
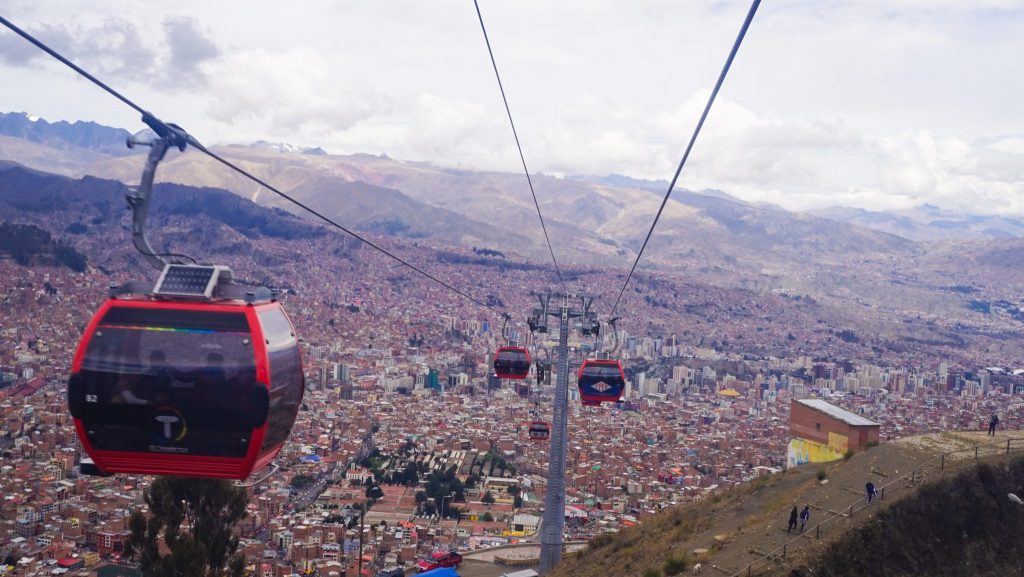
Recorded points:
(654, 547)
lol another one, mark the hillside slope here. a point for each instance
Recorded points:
(964, 526)
(737, 528)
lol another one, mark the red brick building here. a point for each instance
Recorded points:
(110, 542)
(820, 432)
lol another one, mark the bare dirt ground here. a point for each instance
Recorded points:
(756, 525)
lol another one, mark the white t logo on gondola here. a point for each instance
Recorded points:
(174, 426)
(601, 386)
(167, 420)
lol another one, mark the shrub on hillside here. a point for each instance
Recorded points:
(676, 564)
(602, 540)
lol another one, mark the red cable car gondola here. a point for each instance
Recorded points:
(193, 376)
(186, 388)
(601, 381)
(538, 430)
(512, 363)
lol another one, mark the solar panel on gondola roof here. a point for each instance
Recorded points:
(187, 280)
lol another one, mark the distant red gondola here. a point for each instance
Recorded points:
(512, 363)
(203, 389)
(601, 381)
(538, 430)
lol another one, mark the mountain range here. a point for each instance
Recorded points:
(590, 220)
(707, 237)
(927, 222)
(79, 137)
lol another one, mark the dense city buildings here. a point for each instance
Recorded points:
(402, 416)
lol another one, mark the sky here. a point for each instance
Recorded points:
(882, 105)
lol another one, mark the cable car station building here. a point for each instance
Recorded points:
(820, 432)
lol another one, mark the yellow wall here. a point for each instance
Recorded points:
(803, 451)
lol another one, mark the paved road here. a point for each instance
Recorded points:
(309, 494)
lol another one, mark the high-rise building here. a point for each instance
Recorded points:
(457, 379)
(340, 372)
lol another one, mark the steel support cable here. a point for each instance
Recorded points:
(165, 130)
(689, 147)
(340, 227)
(515, 134)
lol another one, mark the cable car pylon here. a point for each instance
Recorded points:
(553, 525)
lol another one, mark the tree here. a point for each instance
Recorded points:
(207, 509)
(301, 481)
(374, 492)
(408, 476)
(517, 501)
(488, 498)
(487, 517)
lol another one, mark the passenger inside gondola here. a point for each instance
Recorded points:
(127, 390)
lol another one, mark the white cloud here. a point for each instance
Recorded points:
(287, 94)
(865, 103)
(190, 48)
(117, 49)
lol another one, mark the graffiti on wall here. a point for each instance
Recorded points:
(838, 443)
(804, 451)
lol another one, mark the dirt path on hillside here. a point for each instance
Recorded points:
(747, 530)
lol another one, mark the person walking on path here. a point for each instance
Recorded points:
(871, 491)
(792, 520)
(992, 424)
(805, 516)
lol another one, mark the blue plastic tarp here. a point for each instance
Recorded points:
(441, 572)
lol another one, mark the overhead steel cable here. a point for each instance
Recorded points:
(515, 134)
(181, 138)
(689, 147)
(340, 227)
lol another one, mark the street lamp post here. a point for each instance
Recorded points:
(362, 515)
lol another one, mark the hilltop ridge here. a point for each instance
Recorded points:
(732, 530)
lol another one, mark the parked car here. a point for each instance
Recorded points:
(391, 572)
(437, 560)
